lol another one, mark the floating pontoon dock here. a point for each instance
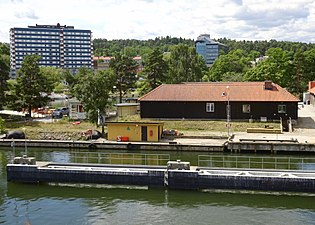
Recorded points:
(176, 175)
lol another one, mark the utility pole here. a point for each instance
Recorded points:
(228, 111)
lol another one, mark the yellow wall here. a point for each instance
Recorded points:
(155, 134)
(127, 110)
(133, 131)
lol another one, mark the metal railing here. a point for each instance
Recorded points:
(119, 158)
(250, 162)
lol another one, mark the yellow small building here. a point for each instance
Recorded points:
(134, 131)
(126, 109)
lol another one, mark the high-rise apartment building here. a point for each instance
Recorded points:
(208, 48)
(58, 46)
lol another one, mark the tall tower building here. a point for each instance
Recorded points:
(59, 46)
(208, 48)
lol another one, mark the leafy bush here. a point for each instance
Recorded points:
(2, 126)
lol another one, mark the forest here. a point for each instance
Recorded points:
(132, 47)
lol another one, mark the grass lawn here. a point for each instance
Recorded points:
(203, 125)
(62, 129)
(66, 130)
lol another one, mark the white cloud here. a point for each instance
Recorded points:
(143, 19)
(26, 13)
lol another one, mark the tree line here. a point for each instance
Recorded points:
(4, 71)
(133, 47)
(263, 46)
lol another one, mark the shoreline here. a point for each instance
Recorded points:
(238, 143)
(171, 145)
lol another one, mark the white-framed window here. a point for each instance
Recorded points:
(246, 108)
(210, 107)
(282, 109)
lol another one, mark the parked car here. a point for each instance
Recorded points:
(60, 112)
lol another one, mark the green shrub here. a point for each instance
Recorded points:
(2, 130)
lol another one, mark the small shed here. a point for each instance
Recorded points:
(134, 131)
(127, 109)
(76, 109)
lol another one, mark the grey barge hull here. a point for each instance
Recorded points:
(164, 177)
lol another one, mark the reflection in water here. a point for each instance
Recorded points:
(94, 204)
(53, 156)
(307, 166)
(161, 196)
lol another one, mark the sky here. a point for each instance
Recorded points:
(282, 20)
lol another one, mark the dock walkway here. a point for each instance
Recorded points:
(238, 143)
(177, 176)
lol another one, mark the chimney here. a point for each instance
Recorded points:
(268, 85)
(311, 84)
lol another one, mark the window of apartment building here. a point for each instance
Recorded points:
(246, 108)
(210, 107)
(282, 109)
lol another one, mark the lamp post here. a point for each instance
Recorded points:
(228, 111)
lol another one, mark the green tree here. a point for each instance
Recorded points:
(54, 75)
(277, 67)
(253, 55)
(32, 86)
(11, 96)
(205, 78)
(234, 63)
(4, 49)
(71, 79)
(4, 76)
(130, 51)
(303, 71)
(309, 64)
(2, 128)
(155, 69)
(232, 77)
(185, 65)
(298, 76)
(93, 90)
(124, 69)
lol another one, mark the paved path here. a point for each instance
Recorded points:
(304, 130)
(200, 141)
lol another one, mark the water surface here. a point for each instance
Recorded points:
(103, 204)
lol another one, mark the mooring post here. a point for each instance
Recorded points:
(13, 146)
(166, 178)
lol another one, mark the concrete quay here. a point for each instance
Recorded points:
(239, 142)
(167, 145)
(177, 175)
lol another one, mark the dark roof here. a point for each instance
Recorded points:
(219, 92)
